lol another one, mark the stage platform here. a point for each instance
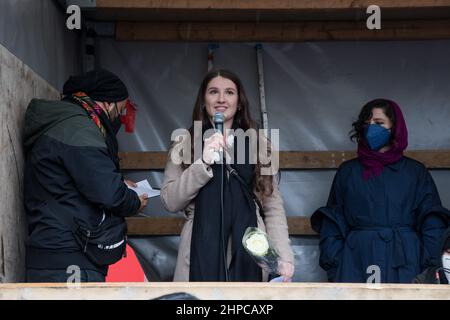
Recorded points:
(223, 291)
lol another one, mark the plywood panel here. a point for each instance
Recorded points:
(18, 85)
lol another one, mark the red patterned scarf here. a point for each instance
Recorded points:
(92, 108)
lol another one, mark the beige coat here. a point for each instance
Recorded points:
(178, 192)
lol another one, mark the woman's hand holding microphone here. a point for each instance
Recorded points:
(212, 148)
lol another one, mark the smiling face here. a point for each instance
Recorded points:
(221, 95)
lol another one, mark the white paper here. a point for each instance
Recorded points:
(145, 187)
(277, 279)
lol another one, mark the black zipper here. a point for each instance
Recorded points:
(87, 239)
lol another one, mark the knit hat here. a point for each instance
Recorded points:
(99, 84)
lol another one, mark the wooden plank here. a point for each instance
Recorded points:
(263, 291)
(281, 31)
(292, 160)
(143, 160)
(170, 226)
(300, 226)
(267, 4)
(314, 159)
(264, 10)
(432, 159)
(155, 226)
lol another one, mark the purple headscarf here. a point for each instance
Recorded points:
(374, 161)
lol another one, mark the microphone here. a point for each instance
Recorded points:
(218, 121)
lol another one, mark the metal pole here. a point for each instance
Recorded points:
(211, 48)
(262, 93)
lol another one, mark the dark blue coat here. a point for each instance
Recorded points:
(394, 222)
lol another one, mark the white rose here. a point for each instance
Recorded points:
(257, 244)
(230, 141)
(215, 156)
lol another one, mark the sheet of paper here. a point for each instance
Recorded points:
(277, 279)
(145, 187)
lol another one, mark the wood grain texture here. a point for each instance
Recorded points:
(282, 31)
(268, 4)
(225, 291)
(171, 226)
(19, 84)
(289, 160)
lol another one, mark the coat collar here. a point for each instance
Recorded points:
(396, 165)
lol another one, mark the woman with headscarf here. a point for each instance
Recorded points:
(205, 253)
(383, 220)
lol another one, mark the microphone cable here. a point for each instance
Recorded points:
(224, 252)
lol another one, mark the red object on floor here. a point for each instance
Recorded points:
(127, 269)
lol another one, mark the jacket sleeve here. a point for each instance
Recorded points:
(181, 186)
(276, 223)
(330, 223)
(421, 278)
(96, 177)
(433, 219)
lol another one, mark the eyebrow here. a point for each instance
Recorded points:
(225, 88)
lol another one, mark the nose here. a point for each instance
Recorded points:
(221, 97)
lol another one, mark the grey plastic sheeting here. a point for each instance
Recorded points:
(35, 32)
(313, 92)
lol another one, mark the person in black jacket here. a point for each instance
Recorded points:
(72, 179)
(439, 274)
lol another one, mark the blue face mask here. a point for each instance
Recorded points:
(377, 136)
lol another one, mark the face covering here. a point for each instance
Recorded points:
(116, 123)
(446, 265)
(377, 136)
(130, 117)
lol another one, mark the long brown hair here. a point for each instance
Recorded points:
(242, 120)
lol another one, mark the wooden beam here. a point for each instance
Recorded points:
(300, 226)
(264, 11)
(267, 4)
(155, 226)
(170, 226)
(314, 159)
(289, 160)
(281, 31)
(219, 291)
(143, 160)
(431, 159)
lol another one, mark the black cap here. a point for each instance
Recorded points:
(100, 85)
